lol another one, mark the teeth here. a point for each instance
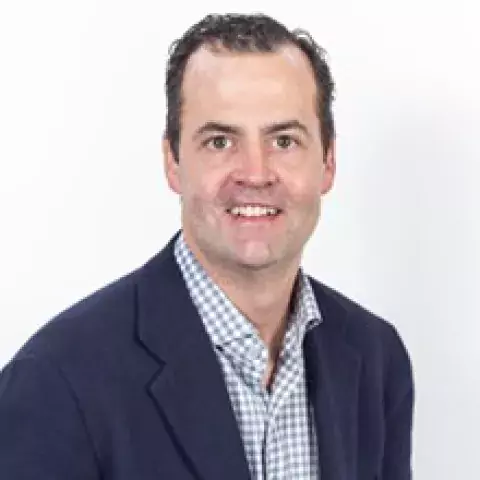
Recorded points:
(253, 211)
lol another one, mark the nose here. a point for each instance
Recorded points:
(253, 168)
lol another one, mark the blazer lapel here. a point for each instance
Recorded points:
(333, 372)
(189, 389)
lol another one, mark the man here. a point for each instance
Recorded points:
(220, 358)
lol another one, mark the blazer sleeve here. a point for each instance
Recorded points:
(42, 432)
(399, 405)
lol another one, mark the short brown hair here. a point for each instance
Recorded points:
(245, 33)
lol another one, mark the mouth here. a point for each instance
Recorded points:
(254, 212)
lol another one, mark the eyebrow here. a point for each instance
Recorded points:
(276, 127)
(288, 125)
(216, 127)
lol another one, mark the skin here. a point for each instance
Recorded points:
(250, 135)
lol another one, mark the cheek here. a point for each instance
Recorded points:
(303, 177)
(201, 187)
(305, 191)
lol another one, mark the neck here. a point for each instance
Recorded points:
(264, 298)
(262, 295)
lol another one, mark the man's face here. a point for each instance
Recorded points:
(252, 167)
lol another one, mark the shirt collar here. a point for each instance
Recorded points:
(223, 321)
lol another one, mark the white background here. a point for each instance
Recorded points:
(83, 199)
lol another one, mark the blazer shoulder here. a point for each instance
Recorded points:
(374, 336)
(103, 323)
(355, 315)
(86, 325)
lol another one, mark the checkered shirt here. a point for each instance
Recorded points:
(276, 426)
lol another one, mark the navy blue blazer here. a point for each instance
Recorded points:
(125, 385)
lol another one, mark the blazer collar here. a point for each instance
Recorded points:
(190, 390)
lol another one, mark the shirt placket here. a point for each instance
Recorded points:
(286, 381)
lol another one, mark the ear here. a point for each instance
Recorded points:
(171, 167)
(329, 168)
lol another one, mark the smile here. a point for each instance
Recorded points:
(253, 211)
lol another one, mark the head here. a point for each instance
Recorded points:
(249, 142)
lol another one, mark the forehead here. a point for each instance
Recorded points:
(248, 85)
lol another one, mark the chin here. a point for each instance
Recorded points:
(255, 255)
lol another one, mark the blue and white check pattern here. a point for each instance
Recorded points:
(276, 426)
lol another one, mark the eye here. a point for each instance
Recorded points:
(284, 142)
(218, 142)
